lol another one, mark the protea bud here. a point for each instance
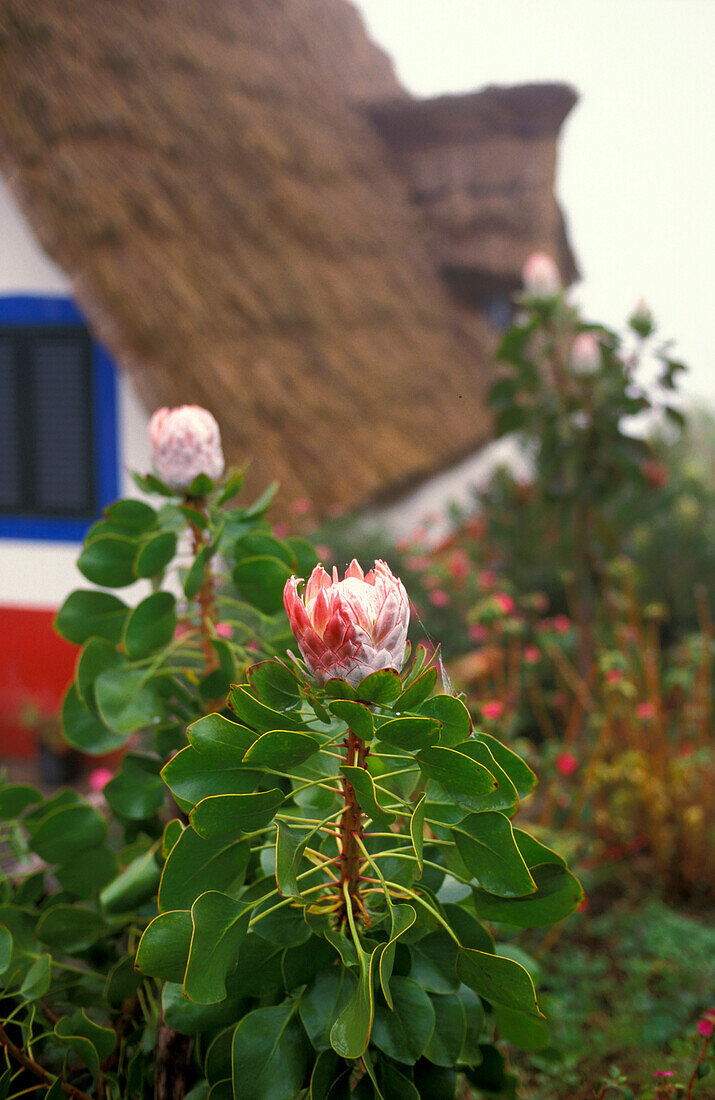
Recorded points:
(641, 320)
(350, 628)
(585, 353)
(186, 442)
(541, 276)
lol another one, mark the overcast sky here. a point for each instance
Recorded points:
(637, 168)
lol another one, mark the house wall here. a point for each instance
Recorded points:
(37, 574)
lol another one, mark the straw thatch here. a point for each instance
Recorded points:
(237, 233)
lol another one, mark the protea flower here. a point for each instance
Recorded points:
(541, 276)
(585, 353)
(350, 628)
(186, 442)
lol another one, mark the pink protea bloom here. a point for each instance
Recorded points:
(585, 353)
(186, 442)
(706, 1026)
(350, 628)
(98, 778)
(541, 276)
(224, 630)
(493, 709)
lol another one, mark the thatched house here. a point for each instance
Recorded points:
(237, 204)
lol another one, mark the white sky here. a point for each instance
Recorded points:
(637, 167)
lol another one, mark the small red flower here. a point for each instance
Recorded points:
(505, 603)
(663, 1073)
(98, 778)
(477, 632)
(706, 1026)
(487, 579)
(224, 630)
(566, 763)
(459, 565)
(646, 711)
(655, 473)
(301, 506)
(532, 654)
(614, 675)
(281, 530)
(562, 624)
(493, 709)
(439, 598)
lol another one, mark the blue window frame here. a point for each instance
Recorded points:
(58, 421)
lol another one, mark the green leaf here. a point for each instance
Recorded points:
(136, 884)
(434, 962)
(70, 928)
(216, 734)
(281, 750)
(350, 1034)
(220, 923)
(520, 1029)
(418, 691)
(15, 799)
(37, 980)
(460, 776)
(187, 1018)
(486, 843)
(557, 895)
(519, 772)
(453, 716)
(85, 877)
(274, 684)
(330, 1079)
(196, 865)
(410, 733)
(468, 930)
(126, 701)
(402, 917)
(151, 625)
(227, 813)
(87, 614)
(382, 687)
(136, 792)
(195, 576)
(449, 1033)
(270, 1054)
(339, 689)
(66, 832)
(364, 787)
(260, 717)
(5, 948)
(131, 514)
(97, 655)
(290, 846)
(304, 555)
(217, 1064)
(322, 1002)
(260, 582)
(260, 544)
(300, 964)
(395, 1085)
(122, 982)
(148, 483)
(231, 486)
(505, 797)
(262, 503)
(357, 715)
(470, 1054)
(404, 1033)
(156, 554)
(163, 950)
(109, 561)
(5, 1085)
(499, 981)
(90, 1042)
(417, 830)
(534, 852)
(192, 775)
(84, 730)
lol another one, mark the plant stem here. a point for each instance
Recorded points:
(694, 1075)
(37, 1070)
(351, 826)
(205, 597)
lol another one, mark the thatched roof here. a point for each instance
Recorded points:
(237, 233)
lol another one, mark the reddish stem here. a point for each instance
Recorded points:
(205, 597)
(351, 826)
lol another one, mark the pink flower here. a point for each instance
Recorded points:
(301, 507)
(532, 654)
(663, 1072)
(655, 473)
(541, 276)
(477, 632)
(224, 630)
(459, 565)
(614, 676)
(186, 442)
(417, 562)
(324, 552)
(566, 763)
(281, 530)
(493, 709)
(487, 579)
(585, 353)
(646, 711)
(439, 598)
(705, 1026)
(350, 628)
(562, 624)
(505, 603)
(253, 647)
(98, 778)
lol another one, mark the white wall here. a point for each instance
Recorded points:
(40, 574)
